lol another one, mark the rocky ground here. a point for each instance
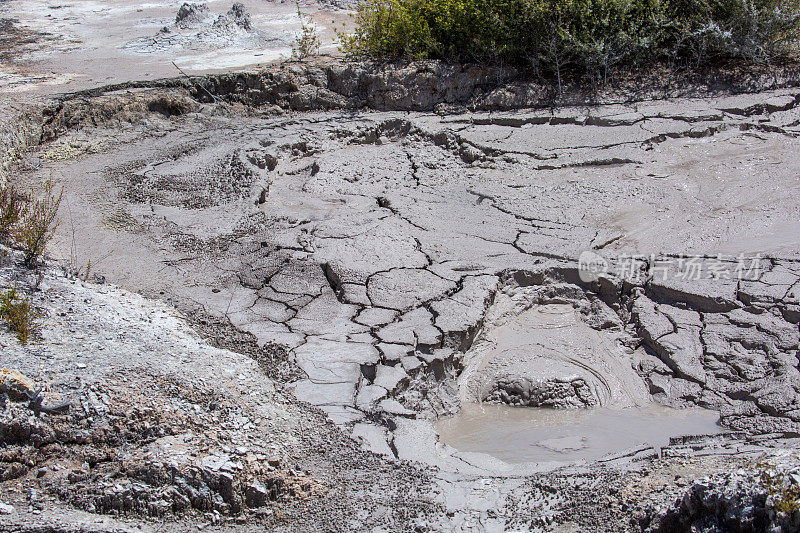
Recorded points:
(268, 286)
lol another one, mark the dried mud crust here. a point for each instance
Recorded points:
(17, 41)
(333, 84)
(380, 310)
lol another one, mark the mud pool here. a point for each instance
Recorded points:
(525, 434)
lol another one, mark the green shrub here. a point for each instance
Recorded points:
(11, 206)
(38, 223)
(307, 42)
(19, 314)
(590, 36)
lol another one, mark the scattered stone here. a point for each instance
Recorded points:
(257, 495)
(17, 386)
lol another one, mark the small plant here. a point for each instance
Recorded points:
(38, 223)
(784, 492)
(11, 207)
(307, 43)
(18, 312)
(85, 276)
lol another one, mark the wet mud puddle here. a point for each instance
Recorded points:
(536, 435)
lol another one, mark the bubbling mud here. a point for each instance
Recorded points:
(545, 355)
(538, 435)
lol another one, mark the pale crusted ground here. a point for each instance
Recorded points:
(373, 245)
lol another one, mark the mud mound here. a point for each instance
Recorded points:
(190, 14)
(237, 15)
(196, 28)
(543, 355)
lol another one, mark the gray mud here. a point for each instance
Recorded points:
(382, 250)
(547, 356)
(539, 435)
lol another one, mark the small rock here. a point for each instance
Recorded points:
(6, 509)
(226, 486)
(256, 495)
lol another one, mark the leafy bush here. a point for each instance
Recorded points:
(38, 223)
(11, 206)
(307, 43)
(588, 35)
(20, 315)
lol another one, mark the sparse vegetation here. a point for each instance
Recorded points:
(18, 312)
(29, 224)
(37, 224)
(307, 42)
(785, 493)
(11, 206)
(586, 36)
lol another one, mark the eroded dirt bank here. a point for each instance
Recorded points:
(166, 432)
(400, 258)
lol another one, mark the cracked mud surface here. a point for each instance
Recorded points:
(372, 244)
(402, 258)
(163, 424)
